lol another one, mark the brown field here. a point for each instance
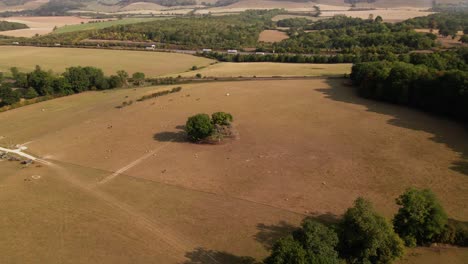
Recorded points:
(40, 25)
(268, 69)
(110, 61)
(272, 36)
(306, 147)
(388, 15)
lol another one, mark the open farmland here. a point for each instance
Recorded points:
(268, 69)
(41, 25)
(272, 36)
(306, 147)
(110, 61)
(388, 15)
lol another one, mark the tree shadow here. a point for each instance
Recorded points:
(205, 256)
(443, 131)
(268, 234)
(169, 136)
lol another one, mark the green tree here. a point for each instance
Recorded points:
(421, 218)
(77, 78)
(199, 127)
(30, 93)
(287, 251)
(464, 38)
(366, 237)
(8, 96)
(41, 81)
(318, 241)
(138, 78)
(221, 118)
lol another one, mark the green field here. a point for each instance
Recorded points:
(105, 24)
(58, 59)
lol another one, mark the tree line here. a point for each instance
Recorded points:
(46, 84)
(5, 25)
(364, 236)
(447, 23)
(436, 83)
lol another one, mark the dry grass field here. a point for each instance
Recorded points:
(272, 36)
(110, 61)
(268, 69)
(306, 147)
(388, 15)
(41, 25)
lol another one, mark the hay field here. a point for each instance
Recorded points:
(41, 25)
(306, 147)
(268, 69)
(272, 36)
(110, 61)
(388, 15)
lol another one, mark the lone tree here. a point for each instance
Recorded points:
(421, 218)
(367, 237)
(199, 127)
(313, 243)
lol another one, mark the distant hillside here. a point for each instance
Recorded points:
(60, 7)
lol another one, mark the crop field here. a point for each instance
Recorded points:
(104, 24)
(272, 36)
(110, 61)
(268, 69)
(41, 25)
(126, 180)
(388, 15)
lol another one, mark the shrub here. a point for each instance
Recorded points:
(30, 93)
(221, 118)
(455, 233)
(138, 78)
(199, 127)
(367, 237)
(420, 218)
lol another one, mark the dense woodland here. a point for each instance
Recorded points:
(354, 35)
(436, 82)
(447, 23)
(45, 84)
(5, 25)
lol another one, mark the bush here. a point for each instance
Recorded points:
(221, 118)
(138, 78)
(420, 218)
(366, 237)
(30, 93)
(455, 233)
(199, 127)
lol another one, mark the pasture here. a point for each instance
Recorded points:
(306, 148)
(41, 25)
(272, 36)
(269, 69)
(58, 59)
